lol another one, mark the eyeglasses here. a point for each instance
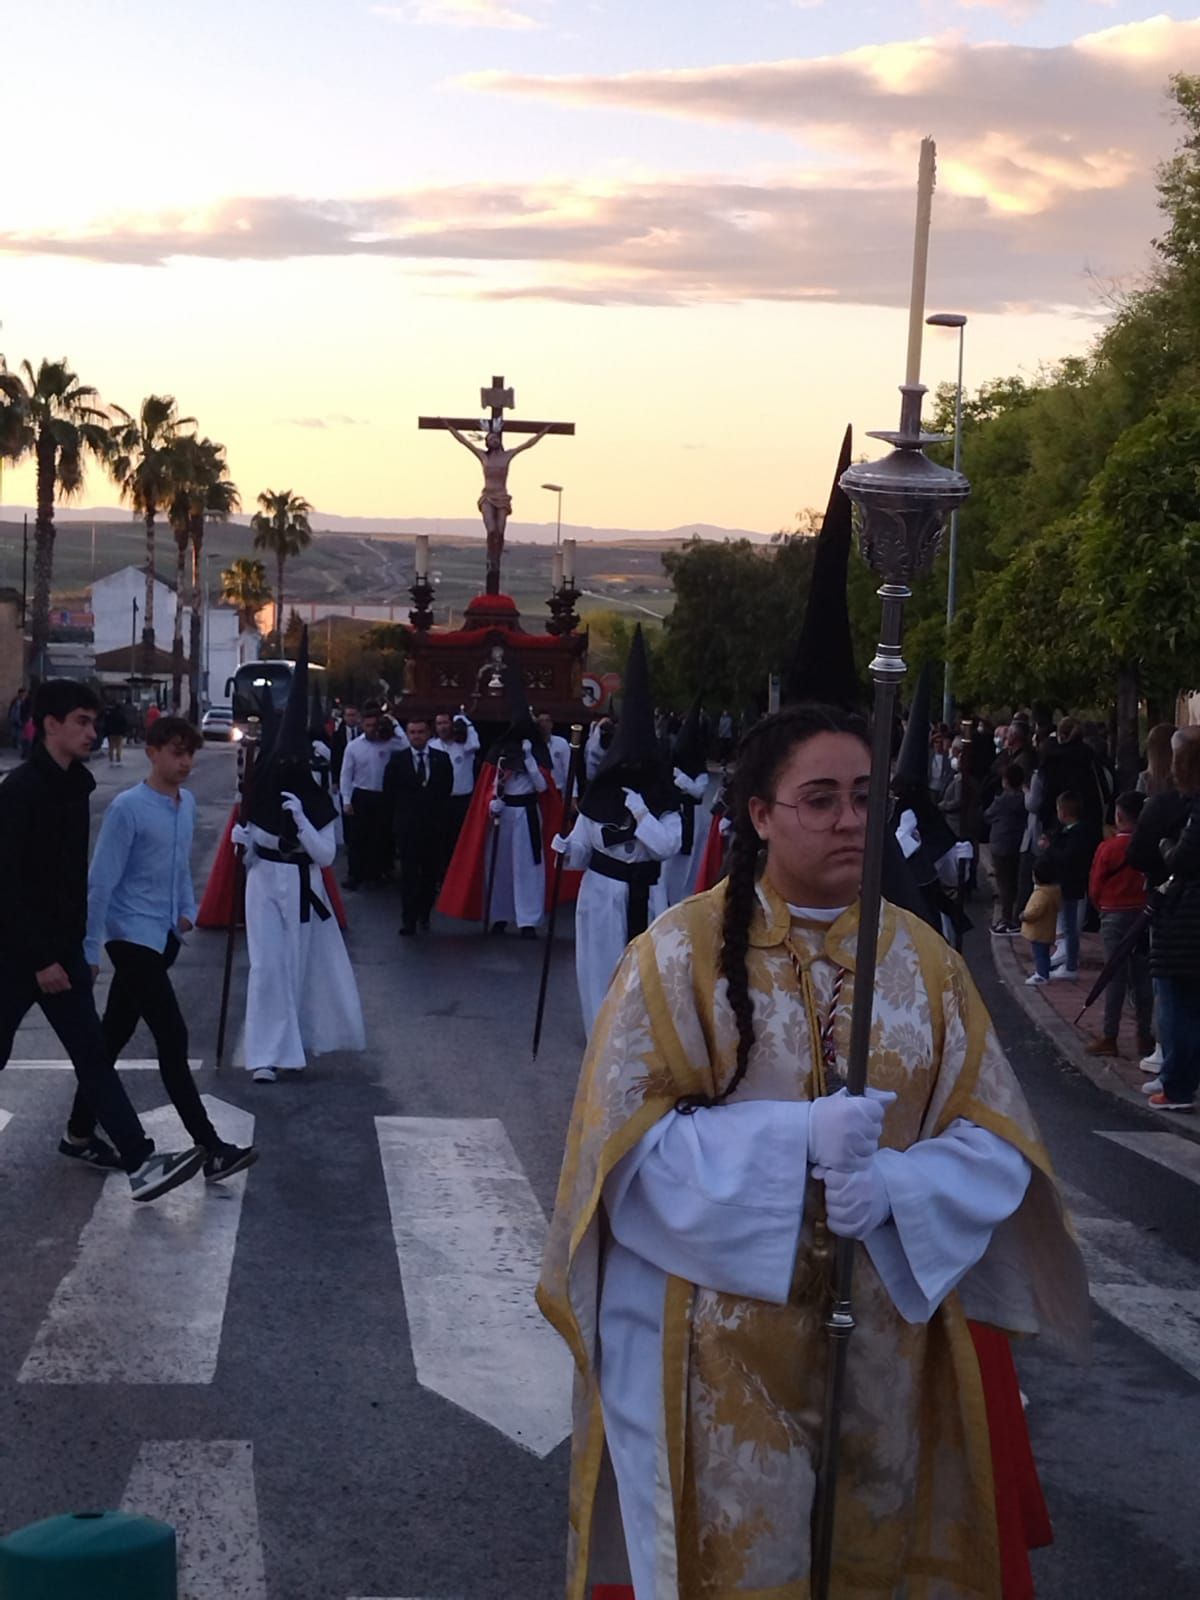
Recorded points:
(819, 810)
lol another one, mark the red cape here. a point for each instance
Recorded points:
(463, 886)
(217, 907)
(712, 862)
(1022, 1521)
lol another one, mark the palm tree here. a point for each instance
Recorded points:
(194, 476)
(15, 436)
(60, 422)
(141, 467)
(281, 527)
(244, 585)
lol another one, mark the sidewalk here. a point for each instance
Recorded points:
(1054, 1006)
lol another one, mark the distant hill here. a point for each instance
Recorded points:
(449, 527)
(623, 573)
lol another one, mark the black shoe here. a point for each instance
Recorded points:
(164, 1171)
(350, 883)
(529, 933)
(95, 1153)
(227, 1159)
(499, 928)
(424, 924)
(406, 930)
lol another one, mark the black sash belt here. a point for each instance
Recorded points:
(641, 876)
(687, 810)
(533, 819)
(309, 902)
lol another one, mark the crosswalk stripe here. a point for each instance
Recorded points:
(1155, 1298)
(5, 1119)
(205, 1489)
(145, 1300)
(1169, 1150)
(469, 1237)
(135, 1064)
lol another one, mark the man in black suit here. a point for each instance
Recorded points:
(416, 789)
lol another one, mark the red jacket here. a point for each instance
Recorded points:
(1114, 886)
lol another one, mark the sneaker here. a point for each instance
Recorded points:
(1163, 1102)
(1102, 1047)
(1035, 980)
(1153, 1060)
(999, 929)
(1154, 1086)
(1065, 974)
(165, 1170)
(263, 1075)
(227, 1159)
(94, 1153)
(1146, 1048)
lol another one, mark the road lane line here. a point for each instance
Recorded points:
(205, 1489)
(136, 1064)
(469, 1238)
(1169, 1150)
(145, 1300)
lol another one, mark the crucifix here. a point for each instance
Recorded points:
(495, 503)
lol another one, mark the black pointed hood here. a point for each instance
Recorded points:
(521, 725)
(287, 768)
(821, 664)
(633, 759)
(688, 752)
(912, 764)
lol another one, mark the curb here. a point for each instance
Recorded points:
(1069, 1045)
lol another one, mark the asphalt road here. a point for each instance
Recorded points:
(327, 1374)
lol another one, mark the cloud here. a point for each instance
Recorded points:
(459, 14)
(1017, 124)
(335, 419)
(1045, 186)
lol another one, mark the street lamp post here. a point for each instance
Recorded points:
(556, 488)
(952, 319)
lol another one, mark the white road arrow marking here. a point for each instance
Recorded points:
(145, 1300)
(205, 1489)
(469, 1236)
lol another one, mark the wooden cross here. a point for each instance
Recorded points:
(497, 399)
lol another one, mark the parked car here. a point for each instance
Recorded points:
(217, 723)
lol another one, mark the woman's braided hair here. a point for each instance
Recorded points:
(760, 755)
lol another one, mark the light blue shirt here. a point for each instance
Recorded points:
(140, 882)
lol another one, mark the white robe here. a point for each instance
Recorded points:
(717, 1198)
(301, 997)
(600, 911)
(682, 870)
(519, 890)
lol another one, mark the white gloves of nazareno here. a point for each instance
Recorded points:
(843, 1140)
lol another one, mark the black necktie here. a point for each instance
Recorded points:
(421, 769)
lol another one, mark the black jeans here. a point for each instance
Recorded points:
(368, 837)
(141, 988)
(72, 1015)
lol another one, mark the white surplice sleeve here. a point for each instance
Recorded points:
(582, 840)
(717, 1197)
(662, 836)
(948, 1195)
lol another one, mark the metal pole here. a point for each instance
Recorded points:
(133, 646)
(952, 564)
(24, 565)
(558, 523)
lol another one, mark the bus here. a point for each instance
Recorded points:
(251, 682)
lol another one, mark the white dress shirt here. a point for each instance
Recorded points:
(462, 758)
(364, 763)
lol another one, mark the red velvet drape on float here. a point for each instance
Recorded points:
(463, 886)
(217, 906)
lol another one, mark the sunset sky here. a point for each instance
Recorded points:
(686, 227)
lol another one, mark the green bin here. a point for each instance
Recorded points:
(91, 1555)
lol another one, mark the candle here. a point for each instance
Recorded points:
(916, 305)
(568, 546)
(556, 581)
(422, 557)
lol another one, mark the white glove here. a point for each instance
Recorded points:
(527, 746)
(964, 850)
(496, 808)
(635, 803)
(559, 845)
(856, 1203)
(844, 1129)
(292, 804)
(241, 836)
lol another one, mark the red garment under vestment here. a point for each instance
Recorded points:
(463, 887)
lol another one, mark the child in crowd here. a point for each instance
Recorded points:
(1040, 918)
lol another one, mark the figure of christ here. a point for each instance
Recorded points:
(495, 503)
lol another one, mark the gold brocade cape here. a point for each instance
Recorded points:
(742, 1380)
